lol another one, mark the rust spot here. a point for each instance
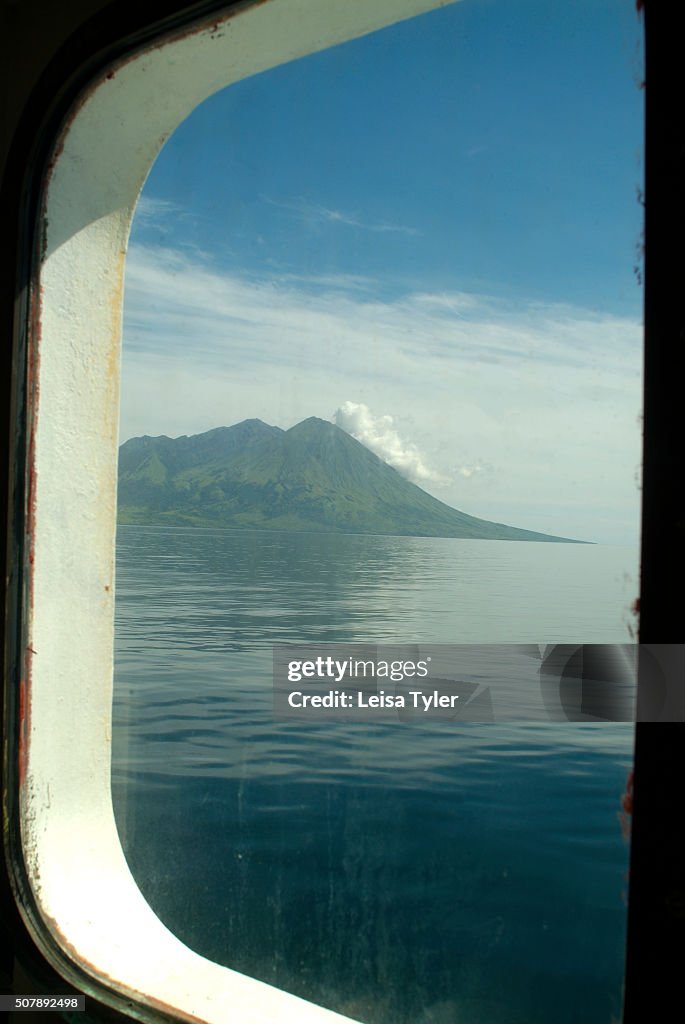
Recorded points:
(209, 24)
(633, 630)
(627, 804)
(117, 985)
(22, 731)
(107, 588)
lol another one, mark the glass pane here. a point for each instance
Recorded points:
(365, 289)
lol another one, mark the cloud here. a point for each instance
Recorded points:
(150, 210)
(468, 471)
(313, 213)
(379, 434)
(340, 282)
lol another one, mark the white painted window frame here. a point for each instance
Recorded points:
(81, 883)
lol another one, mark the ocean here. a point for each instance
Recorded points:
(429, 872)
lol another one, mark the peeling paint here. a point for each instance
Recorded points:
(23, 724)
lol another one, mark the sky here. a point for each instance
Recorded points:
(430, 236)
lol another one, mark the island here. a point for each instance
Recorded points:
(313, 477)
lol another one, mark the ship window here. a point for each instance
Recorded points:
(367, 289)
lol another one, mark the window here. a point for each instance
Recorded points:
(89, 582)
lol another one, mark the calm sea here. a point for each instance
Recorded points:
(401, 873)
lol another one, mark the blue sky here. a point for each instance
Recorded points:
(429, 234)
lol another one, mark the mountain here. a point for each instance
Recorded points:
(313, 477)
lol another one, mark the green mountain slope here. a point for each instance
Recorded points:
(313, 477)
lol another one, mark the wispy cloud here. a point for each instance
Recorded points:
(332, 282)
(468, 471)
(513, 409)
(151, 209)
(314, 214)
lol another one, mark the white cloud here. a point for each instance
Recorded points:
(149, 208)
(313, 213)
(379, 434)
(468, 471)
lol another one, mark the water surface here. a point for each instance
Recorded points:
(402, 873)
